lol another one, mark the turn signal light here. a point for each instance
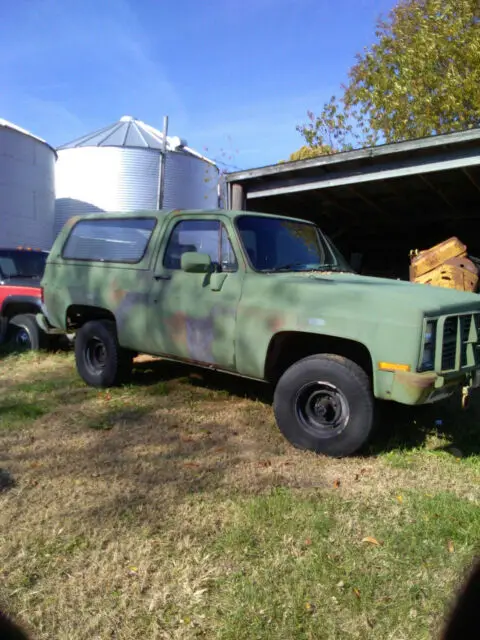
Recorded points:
(393, 366)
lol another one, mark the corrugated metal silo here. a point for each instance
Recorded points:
(118, 169)
(27, 188)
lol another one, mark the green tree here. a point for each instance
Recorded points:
(421, 77)
(306, 152)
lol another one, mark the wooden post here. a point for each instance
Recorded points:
(238, 198)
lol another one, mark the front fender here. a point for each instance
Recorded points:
(385, 341)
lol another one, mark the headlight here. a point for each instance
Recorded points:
(428, 355)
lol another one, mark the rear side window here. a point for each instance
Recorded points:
(22, 264)
(114, 240)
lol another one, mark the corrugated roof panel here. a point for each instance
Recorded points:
(132, 134)
(135, 137)
(115, 137)
(127, 132)
(85, 140)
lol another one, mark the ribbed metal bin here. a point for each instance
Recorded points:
(118, 169)
(27, 188)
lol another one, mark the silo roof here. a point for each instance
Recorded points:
(15, 127)
(131, 133)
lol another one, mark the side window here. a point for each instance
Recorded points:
(109, 240)
(204, 236)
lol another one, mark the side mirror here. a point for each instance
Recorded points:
(195, 262)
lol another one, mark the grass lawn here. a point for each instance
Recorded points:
(173, 508)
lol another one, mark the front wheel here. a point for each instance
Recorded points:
(101, 362)
(324, 403)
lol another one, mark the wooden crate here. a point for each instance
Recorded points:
(422, 262)
(450, 276)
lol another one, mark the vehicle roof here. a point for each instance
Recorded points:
(229, 213)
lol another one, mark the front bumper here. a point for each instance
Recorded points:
(425, 388)
(455, 365)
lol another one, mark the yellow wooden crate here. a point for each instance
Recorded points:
(450, 277)
(421, 262)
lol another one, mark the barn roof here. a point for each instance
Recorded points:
(420, 179)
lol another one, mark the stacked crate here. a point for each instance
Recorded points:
(444, 265)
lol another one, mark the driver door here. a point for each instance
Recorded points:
(194, 314)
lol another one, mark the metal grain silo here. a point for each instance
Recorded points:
(27, 188)
(118, 169)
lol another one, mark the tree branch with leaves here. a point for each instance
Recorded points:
(421, 77)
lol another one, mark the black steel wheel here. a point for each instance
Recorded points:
(322, 408)
(324, 403)
(95, 355)
(100, 360)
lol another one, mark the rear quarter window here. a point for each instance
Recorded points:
(16, 263)
(114, 240)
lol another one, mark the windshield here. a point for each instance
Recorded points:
(276, 244)
(22, 264)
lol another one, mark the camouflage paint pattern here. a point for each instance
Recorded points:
(228, 320)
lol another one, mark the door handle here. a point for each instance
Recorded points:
(163, 276)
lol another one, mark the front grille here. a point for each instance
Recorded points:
(449, 346)
(458, 342)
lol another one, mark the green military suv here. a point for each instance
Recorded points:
(263, 297)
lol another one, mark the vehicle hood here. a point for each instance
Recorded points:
(388, 293)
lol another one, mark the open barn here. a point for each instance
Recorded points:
(377, 203)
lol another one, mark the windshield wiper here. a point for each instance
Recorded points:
(290, 265)
(318, 267)
(331, 267)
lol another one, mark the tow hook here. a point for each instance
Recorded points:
(465, 397)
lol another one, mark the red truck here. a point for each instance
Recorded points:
(21, 270)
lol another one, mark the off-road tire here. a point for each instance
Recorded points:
(96, 341)
(325, 383)
(25, 325)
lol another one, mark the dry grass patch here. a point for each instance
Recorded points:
(173, 508)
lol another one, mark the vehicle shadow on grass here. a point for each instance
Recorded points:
(135, 471)
(60, 346)
(400, 427)
(141, 454)
(151, 373)
(6, 351)
(173, 433)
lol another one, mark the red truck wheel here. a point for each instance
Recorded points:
(24, 334)
(324, 403)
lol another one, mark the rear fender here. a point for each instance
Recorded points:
(15, 304)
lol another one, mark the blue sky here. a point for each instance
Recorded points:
(234, 76)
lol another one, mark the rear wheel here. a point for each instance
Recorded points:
(100, 360)
(324, 403)
(24, 334)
